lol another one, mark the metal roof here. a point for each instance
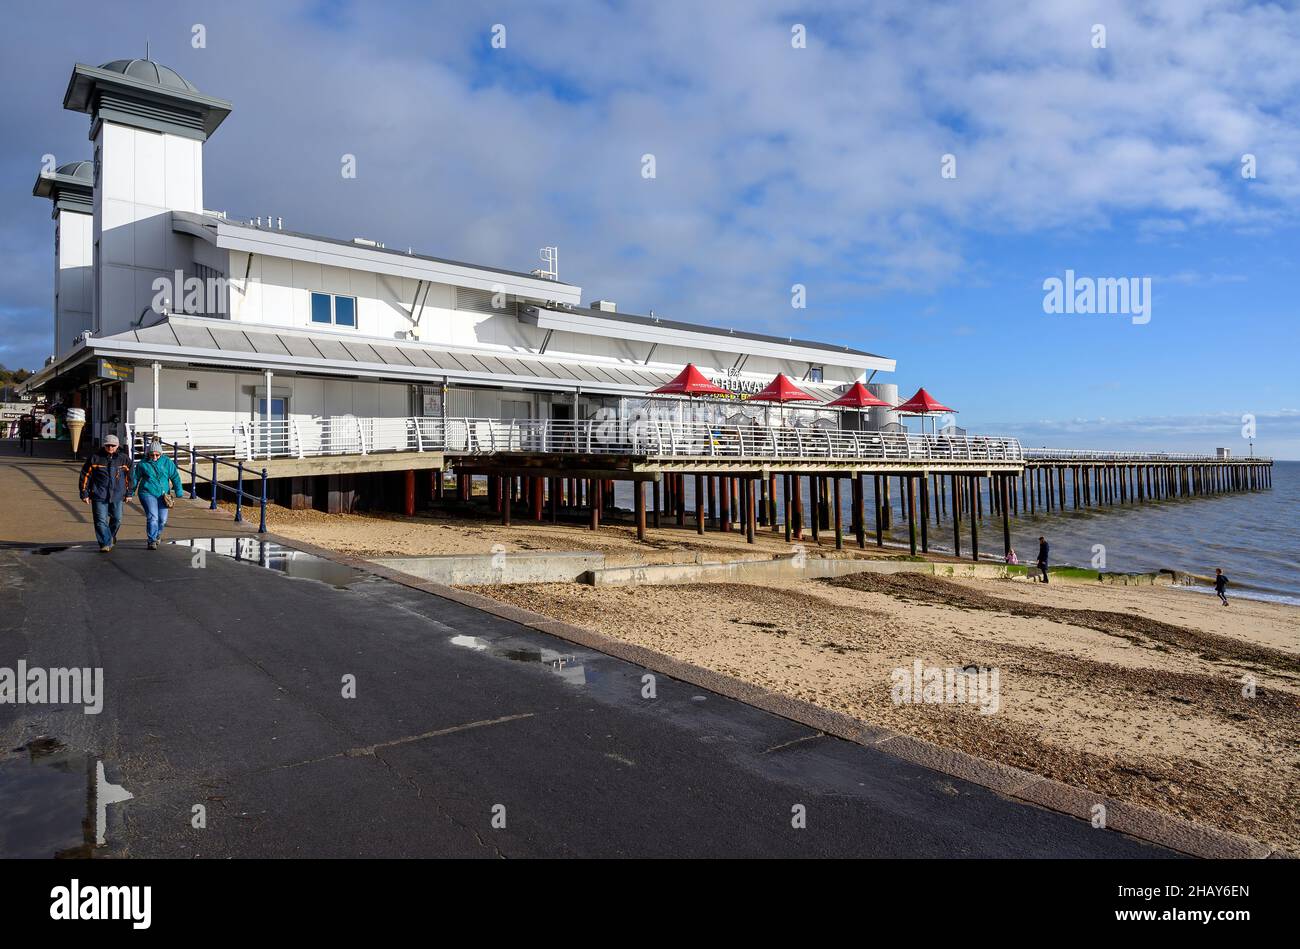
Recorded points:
(212, 221)
(252, 348)
(730, 333)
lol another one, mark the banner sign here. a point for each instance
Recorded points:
(122, 372)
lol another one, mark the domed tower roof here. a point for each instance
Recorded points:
(146, 70)
(81, 170)
(144, 94)
(70, 186)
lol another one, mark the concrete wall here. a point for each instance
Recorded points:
(548, 567)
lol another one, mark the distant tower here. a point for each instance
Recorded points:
(148, 126)
(69, 188)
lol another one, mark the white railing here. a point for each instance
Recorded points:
(704, 440)
(352, 435)
(1151, 457)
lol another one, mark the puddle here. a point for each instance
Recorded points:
(273, 556)
(47, 802)
(565, 665)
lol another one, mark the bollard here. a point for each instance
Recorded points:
(214, 483)
(261, 528)
(239, 496)
(194, 474)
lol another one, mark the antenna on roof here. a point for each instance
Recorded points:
(146, 49)
(551, 257)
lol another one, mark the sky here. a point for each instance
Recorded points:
(920, 169)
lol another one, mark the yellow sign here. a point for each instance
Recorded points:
(122, 372)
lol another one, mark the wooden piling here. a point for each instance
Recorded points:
(699, 505)
(638, 502)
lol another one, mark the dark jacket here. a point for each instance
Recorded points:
(1220, 583)
(1042, 552)
(105, 477)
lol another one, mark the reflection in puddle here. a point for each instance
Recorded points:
(564, 665)
(273, 556)
(47, 801)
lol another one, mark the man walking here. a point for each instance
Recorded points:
(105, 484)
(1221, 585)
(1042, 556)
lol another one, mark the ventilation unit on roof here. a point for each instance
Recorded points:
(365, 242)
(606, 306)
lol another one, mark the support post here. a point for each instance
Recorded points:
(839, 518)
(699, 504)
(638, 498)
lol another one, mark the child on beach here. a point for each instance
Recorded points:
(1221, 585)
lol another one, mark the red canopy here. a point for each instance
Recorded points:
(858, 397)
(690, 381)
(923, 403)
(781, 389)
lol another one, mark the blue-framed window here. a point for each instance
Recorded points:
(334, 310)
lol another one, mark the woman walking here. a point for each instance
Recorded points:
(155, 478)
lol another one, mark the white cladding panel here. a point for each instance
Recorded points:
(73, 278)
(143, 177)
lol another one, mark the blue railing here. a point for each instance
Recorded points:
(238, 491)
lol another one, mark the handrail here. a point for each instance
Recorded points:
(302, 437)
(217, 486)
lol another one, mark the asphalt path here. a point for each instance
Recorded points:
(225, 687)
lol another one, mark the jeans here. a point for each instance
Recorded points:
(1042, 565)
(108, 518)
(155, 515)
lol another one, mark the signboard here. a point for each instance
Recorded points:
(120, 371)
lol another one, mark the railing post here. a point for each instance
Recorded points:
(194, 474)
(419, 438)
(261, 527)
(189, 435)
(214, 483)
(239, 496)
(361, 435)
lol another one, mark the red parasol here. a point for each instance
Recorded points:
(782, 390)
(690, 381)
(858, 397)
(923, 404)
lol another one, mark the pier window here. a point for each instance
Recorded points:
(333, 310)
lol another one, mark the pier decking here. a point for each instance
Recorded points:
(720, 476)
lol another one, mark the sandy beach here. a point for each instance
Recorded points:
(1133, 692)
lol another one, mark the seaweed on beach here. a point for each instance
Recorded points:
(922, 588)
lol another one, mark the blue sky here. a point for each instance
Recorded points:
(775, 165)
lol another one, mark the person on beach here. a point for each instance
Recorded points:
(1011, 556)
(1042, 556)
(156, 479)
(105, 483)
(1221, 585)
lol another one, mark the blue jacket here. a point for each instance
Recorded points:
(155, 477)
(106, 477)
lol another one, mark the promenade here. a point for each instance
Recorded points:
(469, 735)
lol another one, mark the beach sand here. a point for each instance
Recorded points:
(1133, 692)
(394, 535)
